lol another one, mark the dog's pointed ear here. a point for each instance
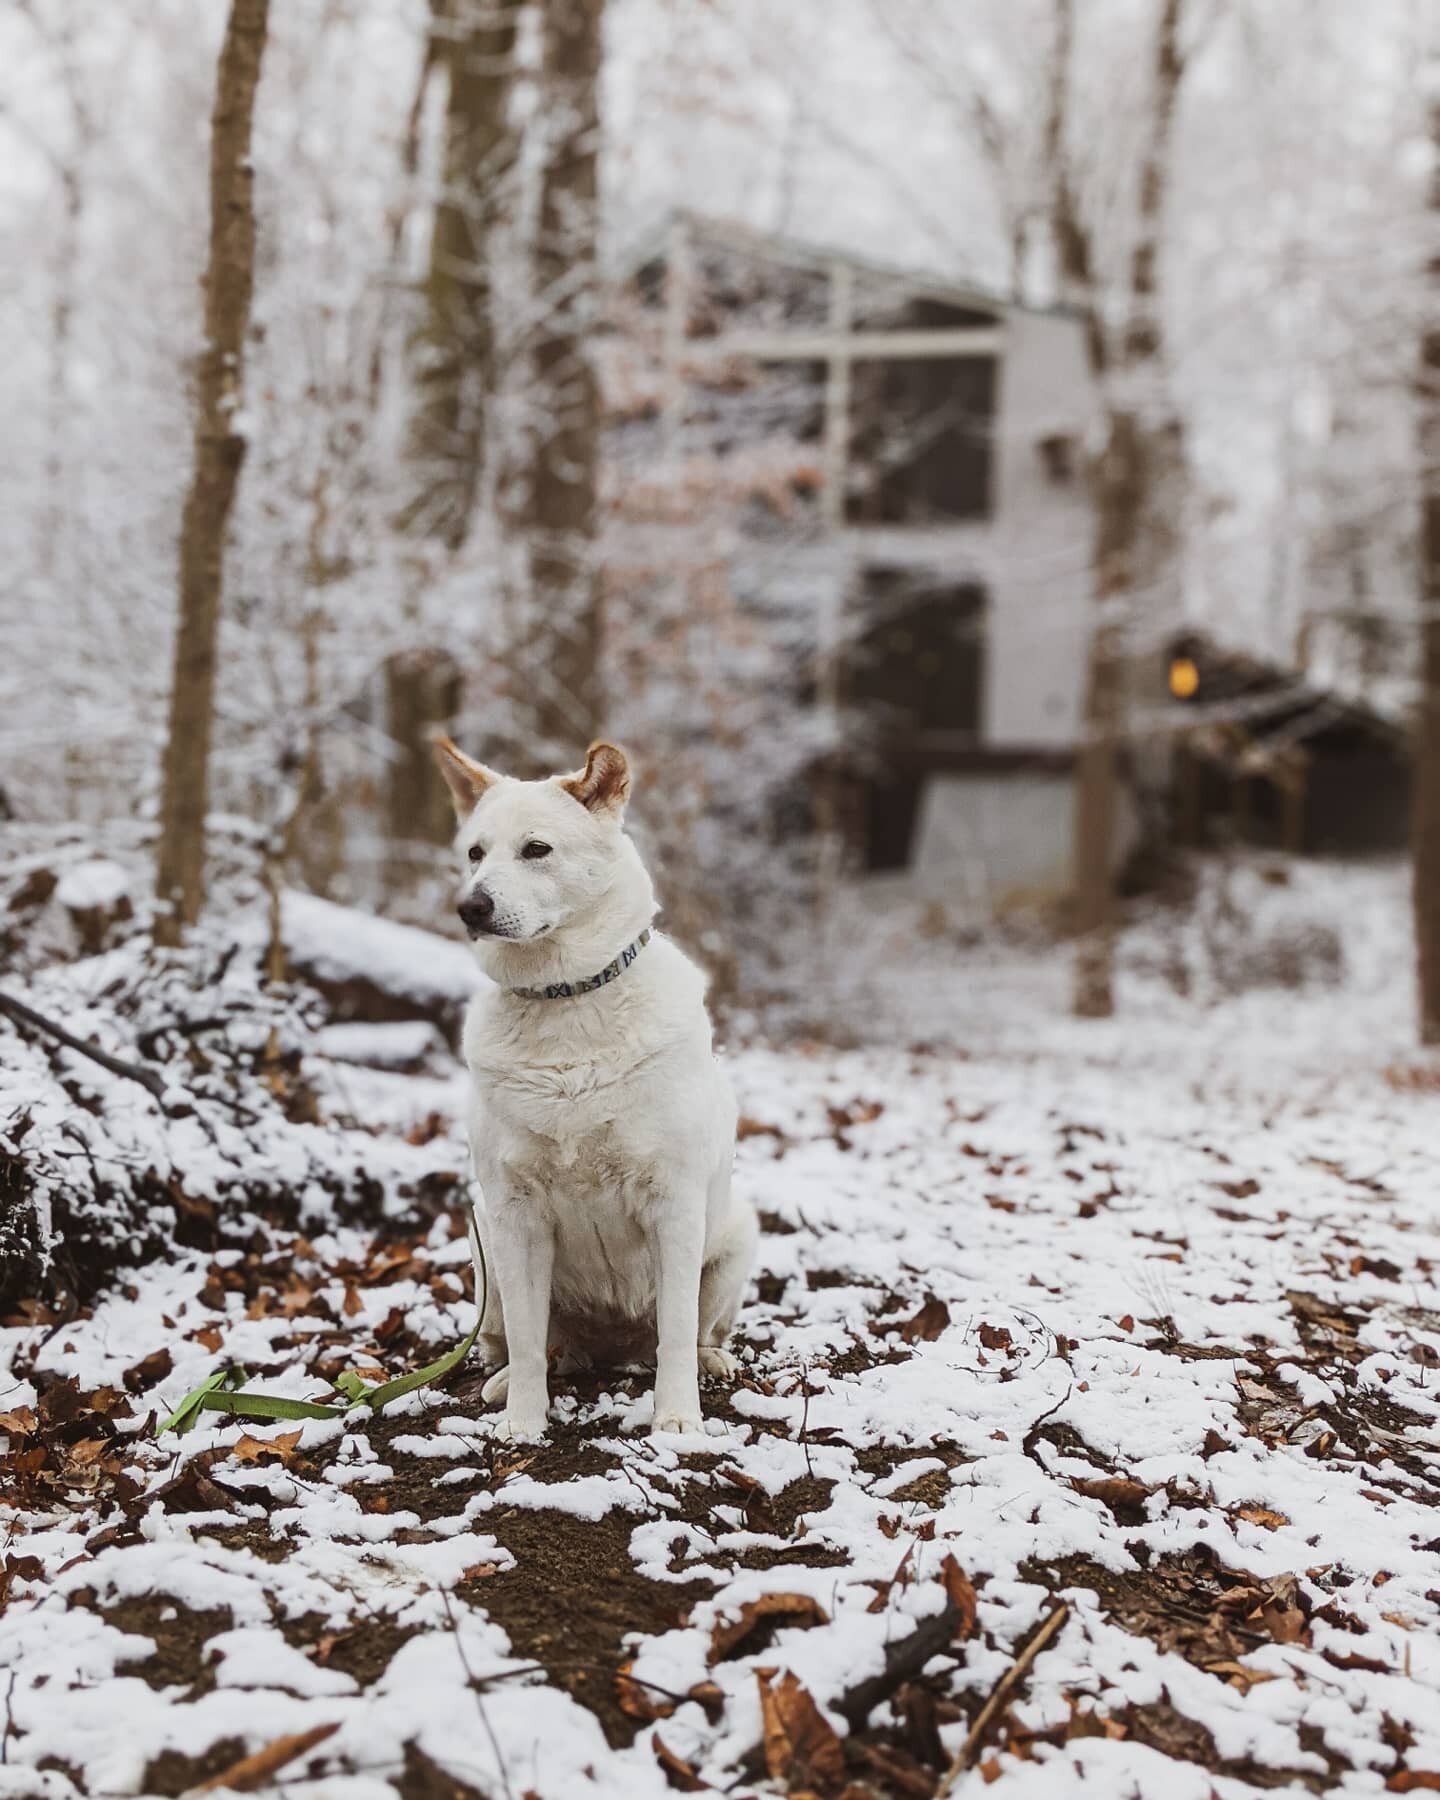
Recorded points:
(603, 785)
(466, 780)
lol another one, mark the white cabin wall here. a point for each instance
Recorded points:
(1040, 587)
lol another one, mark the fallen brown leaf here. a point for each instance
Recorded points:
(281, 1448)
(1414, 1781)
(748, 1128)
(679, 1774)
(730, 1637)
(960, 1592)
(255, 1771)
(1112, 1490)
(901, 1578)
(1261, 1515)
(637, 1700)
(149, 1370)
(801, 1746)
(1240, 1675)
(20, 1423)
(709, 1696)
(927, 1324)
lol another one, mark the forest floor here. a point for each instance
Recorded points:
(1087, 1441)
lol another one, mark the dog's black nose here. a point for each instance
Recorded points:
(476, 911)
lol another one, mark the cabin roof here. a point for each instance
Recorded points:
(1273, 695)
(788, 252)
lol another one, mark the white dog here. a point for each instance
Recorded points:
(602, 1128)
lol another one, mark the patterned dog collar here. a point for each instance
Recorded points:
(567, 990)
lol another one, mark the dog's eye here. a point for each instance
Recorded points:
(534, 850)
(476, 852)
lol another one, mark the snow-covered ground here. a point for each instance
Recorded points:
(1139, 1321)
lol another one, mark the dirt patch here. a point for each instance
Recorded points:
(424, 1779)
(1160, 1726)
(179, 1658)
(1190, 1604)
(255, 1536)
(862, 1356)
(170, 1773)
(792, 1556)
(880, 1460)
(573, 1598)
(362, 1651)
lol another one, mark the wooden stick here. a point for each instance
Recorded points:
(24, 1015)
(1000, 1697)
(904, 1659)
(255, 1771)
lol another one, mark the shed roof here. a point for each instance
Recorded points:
(797, 253)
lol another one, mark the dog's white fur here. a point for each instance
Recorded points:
(602, 1129)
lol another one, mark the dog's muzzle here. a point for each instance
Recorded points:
(477, 913)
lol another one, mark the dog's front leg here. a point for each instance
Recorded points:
(679, 1253)
(523, 1250)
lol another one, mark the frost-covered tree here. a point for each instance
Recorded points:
(1427, 747)
(219, 453)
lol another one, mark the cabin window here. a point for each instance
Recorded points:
(921, 440)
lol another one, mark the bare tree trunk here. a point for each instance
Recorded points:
(562, 652)
(1134, 485)
(219, 452)
(1425, 832)
(474, 41)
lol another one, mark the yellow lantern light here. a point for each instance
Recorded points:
(1184, 677)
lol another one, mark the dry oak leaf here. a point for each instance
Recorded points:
(638, 1700)
(20, 1423)
(253, 1450)
(927, 1324)
(1112, 1490)
(1238, 1675)
(1414, 1781)
(960, 1592)
(729, 1636)
(1261, 1515)
(148, 1371)
(746, 1127)
(801, 1746)
(679, 1774)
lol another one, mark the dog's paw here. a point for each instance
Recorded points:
(497, 1387)
(521, 1428)
(675, 1420)
(717, 1362)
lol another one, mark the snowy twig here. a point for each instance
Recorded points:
(1000, 1697)
(9, 1720)
(474, 1686)
(146, 1078)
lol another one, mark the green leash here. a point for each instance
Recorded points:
(225, 1390)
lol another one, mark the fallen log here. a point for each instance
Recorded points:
(149, 1079)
